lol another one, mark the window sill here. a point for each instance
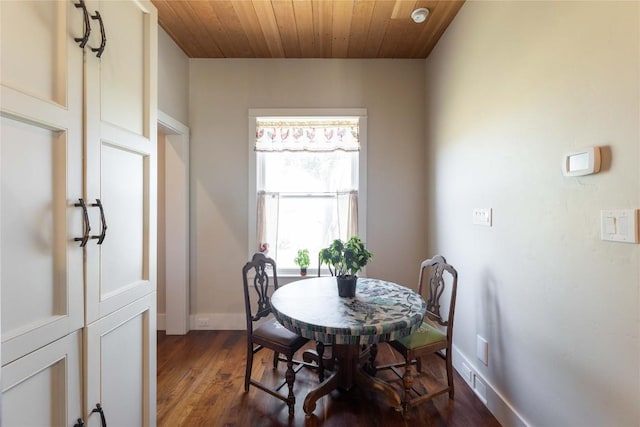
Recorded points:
(291, 276)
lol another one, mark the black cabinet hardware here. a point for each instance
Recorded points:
(103, 36)
(87, 25)
(86, 227)
(99, 410)
(103, 231)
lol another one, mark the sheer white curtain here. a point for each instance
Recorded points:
(261, 223)
(352, 215)
(268, 219)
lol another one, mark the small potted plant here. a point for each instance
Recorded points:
(345, 260)
(302, 261)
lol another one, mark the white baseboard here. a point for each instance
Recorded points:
(497, 404)
(209, 322)
(218, 321)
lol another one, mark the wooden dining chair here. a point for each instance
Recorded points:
(438, 282)
(267, 334)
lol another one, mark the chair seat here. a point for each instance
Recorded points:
(425, 335)
(274, 332)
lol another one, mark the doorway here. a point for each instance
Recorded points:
(173, 225)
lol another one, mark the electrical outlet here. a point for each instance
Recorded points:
(480, 389)
(202, 322)
(467, 374)
(482, 216)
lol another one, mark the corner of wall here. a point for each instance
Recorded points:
(497, 404)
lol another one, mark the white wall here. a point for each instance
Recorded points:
(510, 87)
(173, 78)
(173, 95)
(222, 92)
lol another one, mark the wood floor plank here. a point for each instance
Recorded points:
(201, 383)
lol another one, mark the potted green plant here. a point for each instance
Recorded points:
(345, 260)
(302, 261)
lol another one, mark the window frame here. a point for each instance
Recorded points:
(254, 113)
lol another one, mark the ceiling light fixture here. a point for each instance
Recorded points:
(420, 15)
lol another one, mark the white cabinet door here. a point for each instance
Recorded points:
(40, 173)
(43, 388)
(120, 172)
(78, 130)
(120, 154)
(121, 365)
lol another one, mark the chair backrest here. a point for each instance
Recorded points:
(264, 269)
(438, 286)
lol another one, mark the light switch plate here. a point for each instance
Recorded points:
(482, 216)
(619, 225)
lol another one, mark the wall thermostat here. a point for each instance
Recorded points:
(581, 162)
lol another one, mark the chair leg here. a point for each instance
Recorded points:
(247, 375)
(320, 350)
(419, 364)
(276, 356)
(449, 373)
(290, 377)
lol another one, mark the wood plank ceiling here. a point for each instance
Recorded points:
(304, 28)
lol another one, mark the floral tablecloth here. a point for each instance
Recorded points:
(380, 311)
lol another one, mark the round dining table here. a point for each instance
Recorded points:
(380, 311)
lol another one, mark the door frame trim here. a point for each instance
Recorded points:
(176, 226)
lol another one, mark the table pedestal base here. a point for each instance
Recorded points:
(347, 374)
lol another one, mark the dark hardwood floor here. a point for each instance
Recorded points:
(201, 383)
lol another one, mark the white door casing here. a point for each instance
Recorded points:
(176, 226)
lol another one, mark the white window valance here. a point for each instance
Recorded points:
(307, 134)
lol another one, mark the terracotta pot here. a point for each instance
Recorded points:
(347, 285)
(303, 271)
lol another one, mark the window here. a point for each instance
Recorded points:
(307, 171)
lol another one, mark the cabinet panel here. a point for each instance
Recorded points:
(123, 182)
(44, 388)
(121, 369)
(41, 276)
(122, 268)
(41, 264)
(37, 31)
(33, 163)
(122, 103)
